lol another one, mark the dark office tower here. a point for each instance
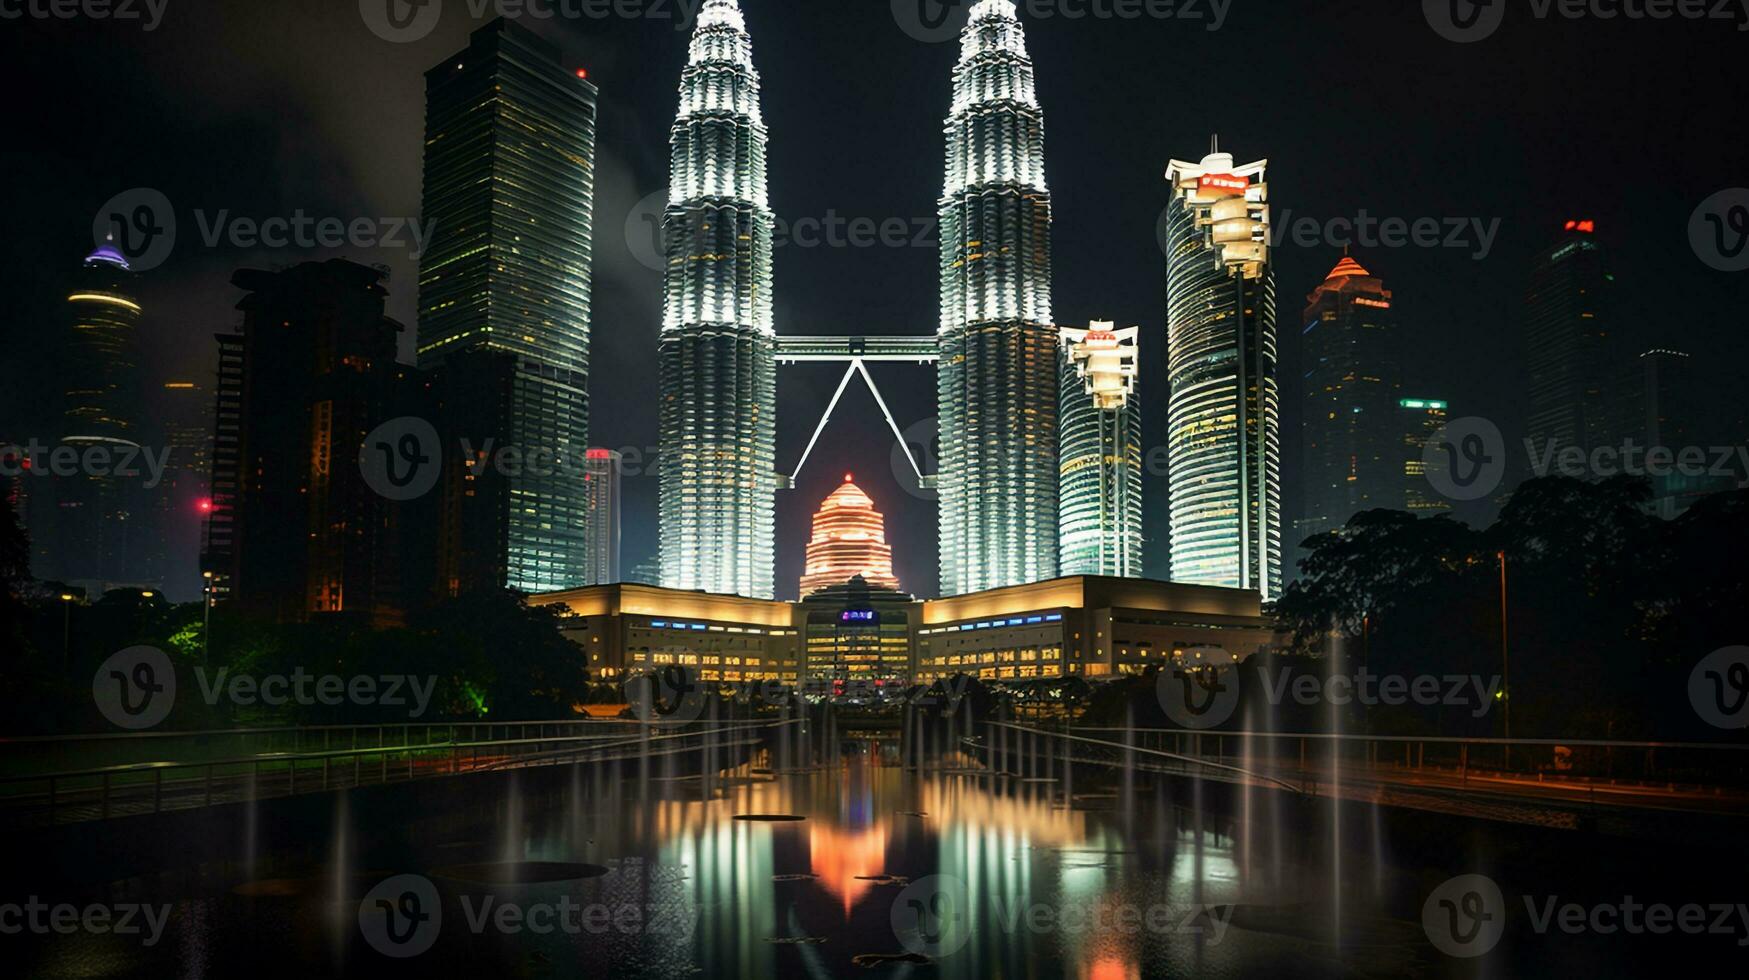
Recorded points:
(718, 387)
(1224, 409)
(997, 378)
(601, 471)
(1570, 349)
(309, 537)
(1668, 401)
(509, 195)
(217, 547)
(1351, 437)
(101, 527)
(1418, 421)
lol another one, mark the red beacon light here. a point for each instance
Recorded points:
(582, 73)
(1583, 227)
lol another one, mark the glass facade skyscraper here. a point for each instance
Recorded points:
(997, 381)
(508, 200)
(1573, 358)
(1100, 521)
(718, 412)
(1224, 412)
(1350, 434)
(602, 474)
(101, 528)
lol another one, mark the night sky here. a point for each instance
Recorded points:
(266, 108)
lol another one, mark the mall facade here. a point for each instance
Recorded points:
(1089, 626)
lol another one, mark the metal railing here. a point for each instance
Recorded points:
(50, 798)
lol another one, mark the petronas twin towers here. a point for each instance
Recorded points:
(998, 357)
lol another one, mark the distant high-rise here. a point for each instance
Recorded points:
(1224, 411)
(101, 533)
(316, 373)
(718, 384)
(601, 473)
(1100, 494)
(1669, 403)
(997, 380)
(1571, 352)
(1418, 421)
(509, 199)
(850, 539)
(1351, 434)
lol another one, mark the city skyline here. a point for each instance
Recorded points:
(909, 510)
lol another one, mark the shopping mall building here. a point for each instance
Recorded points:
(1084, 625)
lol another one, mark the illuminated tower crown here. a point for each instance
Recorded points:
(850, 539)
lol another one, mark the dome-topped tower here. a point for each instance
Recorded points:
(850, 539)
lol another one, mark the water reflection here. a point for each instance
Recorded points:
(1053, 884)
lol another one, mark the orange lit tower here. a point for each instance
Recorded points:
(850, 539)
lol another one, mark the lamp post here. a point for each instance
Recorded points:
(67, 628)
(206, 621)
(1505, 661)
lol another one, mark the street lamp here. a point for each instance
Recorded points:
(1505, 661)
(206, 621)
(67, 627)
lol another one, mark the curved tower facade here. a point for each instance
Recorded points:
(718, 372)
(850, 539)
(997, 377)
(1224, 411)
(1100, 523)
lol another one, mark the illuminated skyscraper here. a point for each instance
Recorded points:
(1351, 435)
(1101, 489)
(997, 382)
(718, 372)
(101, 527)
(850, 539)
(509, 198)
(1224, 412)
(1574, 359)
(1418, 421)
(601, 472)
